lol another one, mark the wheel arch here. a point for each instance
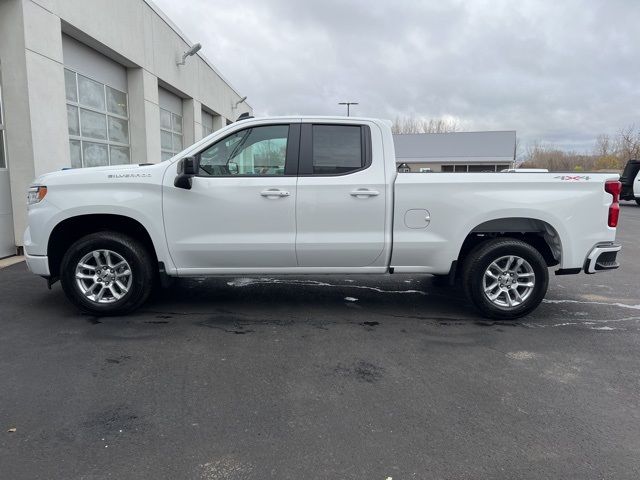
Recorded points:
(71, 229)
(540, 234)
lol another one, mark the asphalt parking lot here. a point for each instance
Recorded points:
(325, 377)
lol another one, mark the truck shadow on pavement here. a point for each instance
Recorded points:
(305, 307)
(240, 305)
(233, 304)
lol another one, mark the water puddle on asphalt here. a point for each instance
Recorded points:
(245, 282)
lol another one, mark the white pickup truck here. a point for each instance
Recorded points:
(314, 195)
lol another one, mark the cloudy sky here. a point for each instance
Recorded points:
(559, 71)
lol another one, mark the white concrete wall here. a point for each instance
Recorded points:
(45, 85)
(134, 29)
(133, 33)
(7, 242)
(13, 71)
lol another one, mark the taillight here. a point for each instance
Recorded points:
(613, 187)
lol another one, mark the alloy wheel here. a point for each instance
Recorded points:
(509, 281)
(103, 276)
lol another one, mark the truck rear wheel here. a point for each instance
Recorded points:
(107, 273)
(505, 278)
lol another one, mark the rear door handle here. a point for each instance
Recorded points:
(364, 192)
(274, 192)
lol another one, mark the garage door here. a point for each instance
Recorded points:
(170, 123)
(97, 107)
(7, 241)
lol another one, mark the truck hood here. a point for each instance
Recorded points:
(100, 174)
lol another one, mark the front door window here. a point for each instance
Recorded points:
(258, 151)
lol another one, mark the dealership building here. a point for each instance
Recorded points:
(455, 152)
(90, 83)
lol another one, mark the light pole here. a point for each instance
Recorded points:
(348, 104)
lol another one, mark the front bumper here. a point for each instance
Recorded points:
(602, 257)
(38, 264)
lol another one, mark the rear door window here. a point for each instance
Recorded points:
(337, 149)
(334, 149)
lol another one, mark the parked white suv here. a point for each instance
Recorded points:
(631, 181)
(314, 195)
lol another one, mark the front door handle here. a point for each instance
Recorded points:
(274, 192)
(364, 192)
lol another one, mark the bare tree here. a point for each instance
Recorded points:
(629, 143)
(539, 155)
(406, 125)
(604, 146)
(607, 156)
(422, 125)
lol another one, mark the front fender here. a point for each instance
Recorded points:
(142, 204)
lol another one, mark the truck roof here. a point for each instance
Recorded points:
(320, 117)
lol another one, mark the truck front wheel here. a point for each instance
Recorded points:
(505, 278)
(107, 273)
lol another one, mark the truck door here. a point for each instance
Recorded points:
(240, 210)
(340, 213)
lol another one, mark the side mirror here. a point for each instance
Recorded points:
(233, 168)
(187, 168)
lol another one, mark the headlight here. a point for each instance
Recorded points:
(36, 194)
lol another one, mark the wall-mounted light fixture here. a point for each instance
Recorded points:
(192, 51)
(235, 105)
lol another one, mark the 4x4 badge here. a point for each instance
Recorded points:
(573, 178)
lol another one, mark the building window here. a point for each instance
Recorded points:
(481, 168)
(207, 124)
(98, 121)
(170, 133)
(473, 168)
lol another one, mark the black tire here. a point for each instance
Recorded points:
(478, 261)
(136, 255)
(638, 201)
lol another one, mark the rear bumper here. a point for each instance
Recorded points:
(602, 257)
(38, 264)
